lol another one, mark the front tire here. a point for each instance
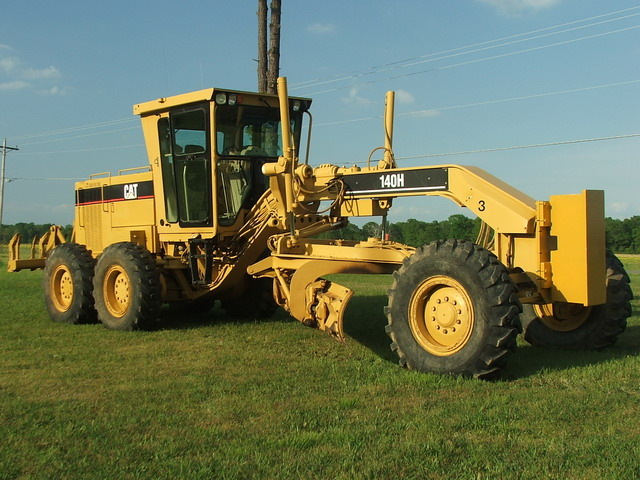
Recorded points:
(453, 310)
(68, 284)
(573, 326)
(127, 287)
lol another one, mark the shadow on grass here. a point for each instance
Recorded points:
(365, 323)
(530, 360)
(184, 318)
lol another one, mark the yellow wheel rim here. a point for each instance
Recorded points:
(441, 316)
(61, 288)
(116, 291)
(562, 317)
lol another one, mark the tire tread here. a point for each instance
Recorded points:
(501, 339)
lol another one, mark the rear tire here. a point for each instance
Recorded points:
(68, 287)
(453, 310)
(574, 326)
(127, 287)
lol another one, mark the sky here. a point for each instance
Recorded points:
(475, 80)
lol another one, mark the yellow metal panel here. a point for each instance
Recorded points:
(501, 206)
(245, 98)
(132, 213)
(162, 104)
(372, 250)
(363, 207)
(91, 232)
(504, 208)
(578, 265)
(523, 252)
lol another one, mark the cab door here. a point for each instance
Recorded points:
(185, 165)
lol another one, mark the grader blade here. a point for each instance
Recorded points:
(326, 302)
(303, 291)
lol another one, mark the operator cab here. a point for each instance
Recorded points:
(212, 145)
(247, 137)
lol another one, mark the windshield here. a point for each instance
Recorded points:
(251, 131)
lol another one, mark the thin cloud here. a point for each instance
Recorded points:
(20, 76)
(55, 90)
(14, 85)
(619, 207)
(8, 64)
(404, 97)
(41, 73)
(354, 98)
(515, 7)
(321, 28)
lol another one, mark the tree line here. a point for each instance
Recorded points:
(623, 236)
(28, 231)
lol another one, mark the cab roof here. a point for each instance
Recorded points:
(208, 94)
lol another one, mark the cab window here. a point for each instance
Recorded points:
(192, 167)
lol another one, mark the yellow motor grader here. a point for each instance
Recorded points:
(226, 211)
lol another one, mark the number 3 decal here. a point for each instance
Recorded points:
(481, 206)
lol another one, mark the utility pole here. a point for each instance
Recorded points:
(263, 60)
(268, 51)
(2, 176)
(274, 47)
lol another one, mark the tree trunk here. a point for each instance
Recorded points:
(262, 46)
(274, 47)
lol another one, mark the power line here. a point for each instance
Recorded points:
(517, 147)
(478, 60)
(78, 128)
(486, 102)
(521, 40)
(517, 52)
(385, 67)
(524, 97)
(137, 145)
(403, 63)
(80, 136)
(429, 155)
(65, 179)
(377, 117)
(314, 81)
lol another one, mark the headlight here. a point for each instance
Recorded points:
(221, 98)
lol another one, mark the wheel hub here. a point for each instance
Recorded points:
(62, 288)
(441, 316)
(116, 291)
(562, 317)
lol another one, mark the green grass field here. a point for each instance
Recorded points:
(212, 398)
